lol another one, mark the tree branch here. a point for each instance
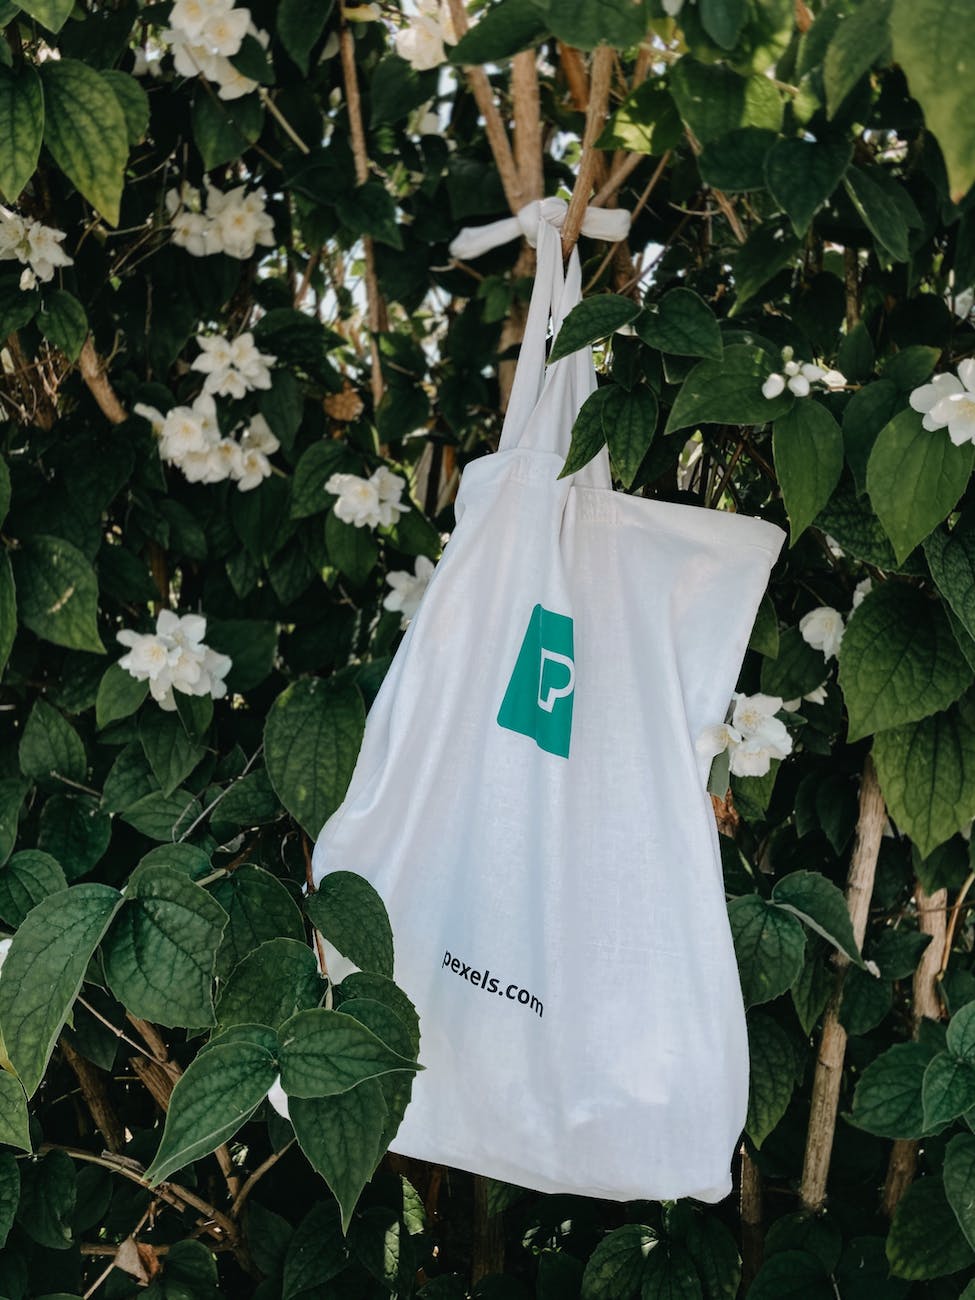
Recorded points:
(602, 72)
(93, 373)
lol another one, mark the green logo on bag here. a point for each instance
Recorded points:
(538, 701)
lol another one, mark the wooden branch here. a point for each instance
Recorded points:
(829, 1065)
(93, 373)
(528, 125)
(751, 1212)
(256, 1177)
(91, 1081)
(375, 306)
(602, 72)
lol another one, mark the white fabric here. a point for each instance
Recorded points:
(612, 224)
(591, 883)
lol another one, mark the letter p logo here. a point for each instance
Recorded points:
(538, 701)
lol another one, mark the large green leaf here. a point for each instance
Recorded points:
(772, 1076)
(28, 877)
(880, 213)
(769, 945)
(119, 695)
(899, 660)
(279, 978)
(629, 422)
(925, 1240)
(48, 1200)
(316, 1253)
(171, 753)
(802, 174)
(397, 1085)
(21, 128)
(670, 1274)
(52, 14)
(44, 970)
(821, 904)
(615, 1267)
(807, 445)
(934, 42)
(588, 434)
(914, 478)
(299, 26)
(14, 1120)
(216, 1094)
(342, 1137)
(792, 1275)
(86, 132)
(8, 610)
(57, 593)
(887, 1099)
(161, 952)
(327, 1052)
(861, 40)
(960, 1038)
(63, 321)
(682, 324)
(959, 1180)
(927, 774)
(311, 742)
(224, 131)
(769, 249)
(353, 551)
(796, 670)
(352, 916)
(581, 23)
(258, 908)
(592, 319)
(9, 1194)
(948, 1090)
(728, 391)
(50, 748)
(713, 99)
(951, 559)
(712, 1247)
(503, 30)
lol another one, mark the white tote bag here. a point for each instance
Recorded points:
(529, 803)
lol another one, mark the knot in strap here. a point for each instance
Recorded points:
(611, 224)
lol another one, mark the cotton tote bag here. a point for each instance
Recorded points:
(529, 803)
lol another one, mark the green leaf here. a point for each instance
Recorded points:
(9, 1194)
(162, 817)
(50, 748)
(792, 1275)
(503, 30)
(259, 908)
(311, 742)
(713, 100)
(769, 945)
(377, 988)
(588, 437)
(735, 162)
(25, 880)
(74, 830)
(764, 637)
(879, 213)
(161, 951)
(223, 131)
(951, 558)
(341, 1136)
(866, 413)
(352, 917)
(48, 1200)
(8, 610)
(821, 905)
(769, 249)
(722, 20)
(620, 23)
(21, 128)
(327, 1052)
(772, 1076)
(807, 444)
(802, 174)
(959, 1182)
(682, 324)
(57, 593)
(899, 660)
(119, 695)
(397, 1086)
(318, 463)
(353, 551)
(370, 209)
(960, 1038)
(52, 14)
(43, 972)
(935, 45)
(948, 1090)
(269, 985)
(14, 1120)
(887, 1100)
(728, 391)
(317, 1252)
(216, 1094)
(615, 1267)
(914, 478)
(593, 318)
(861, 40)
(171, 753)
(927, 774)
(645, 122)
(85, 130)
(63, 321)
(713, 1249)
(299, 25)
(133, 101)
(629, 422)
(910, 366)
(925, 1240)
(12, 792)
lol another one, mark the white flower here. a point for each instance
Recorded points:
(152, 414)
(255, 467)
(754, 717)
(28, 280)
(954, 404)
(390, 488)
(421, 42)
(773, 386)
(716, 739)
(148, 656)
(753, 738)
(926, 398)
(799, 377)
(823, 628)
(182, 432)
(224, 33)
(816, 696)
(35, 246)
(368, 502)
(408, 588)
(174, 657)
(232, 368)
(258, 437)
(862, 589)
(233, 222)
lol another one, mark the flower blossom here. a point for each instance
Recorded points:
(37, 247)
(368, 502)
(232, 367)
(948, 401)
(823, 629)
(421, 42)
(175, 658)
(798, 377)
(753, 737)
(189, 438)
(408, 588)
(232, 222)
(205, 35)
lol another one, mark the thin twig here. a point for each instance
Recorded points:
(602, 72)
(638, 207)
(114, 1028)
(282, 121)
(93, 373)
(256, 1177)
